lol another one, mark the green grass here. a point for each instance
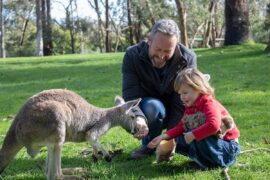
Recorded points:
(239, 74)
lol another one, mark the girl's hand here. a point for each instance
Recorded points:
(155, 142)
(189, 137)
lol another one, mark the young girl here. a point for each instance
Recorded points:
(200, 134)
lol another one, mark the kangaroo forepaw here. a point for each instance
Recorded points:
(94, 157)
(108, 158)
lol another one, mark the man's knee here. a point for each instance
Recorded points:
(153, 109)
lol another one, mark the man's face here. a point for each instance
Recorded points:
(161, 48)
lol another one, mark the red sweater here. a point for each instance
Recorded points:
(212, 112)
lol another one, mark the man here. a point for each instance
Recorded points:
(148, 71)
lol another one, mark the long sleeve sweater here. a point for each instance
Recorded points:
(208, 112)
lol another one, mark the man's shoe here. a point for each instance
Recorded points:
(141, 153)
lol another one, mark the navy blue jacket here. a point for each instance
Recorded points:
(141, 79)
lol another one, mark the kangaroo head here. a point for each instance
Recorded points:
(133, 123)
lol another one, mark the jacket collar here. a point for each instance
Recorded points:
(144, 52)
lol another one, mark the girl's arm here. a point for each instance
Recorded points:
(176, 131)
(155, 142)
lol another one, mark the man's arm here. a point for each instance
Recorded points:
(131, 85)
(130, 80)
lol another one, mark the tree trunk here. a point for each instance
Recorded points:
(107, 41)
(236, 22)
(138, 23)
(267, 26)
(182, 15)
(39, 29)
(267, 49)
(46, 27)
(70, 26)
(210, 24)
(2, 34)
(25, 23)
(80, 29)
(215, 25)
(196, 32)
(138, 30)
(130, 23)
(100, 26)
(49, 43)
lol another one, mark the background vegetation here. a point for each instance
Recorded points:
(240, 75)
(117, 24)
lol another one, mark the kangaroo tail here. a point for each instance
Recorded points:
(10, 147)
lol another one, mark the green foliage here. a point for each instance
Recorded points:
(143, 14)
(239, 75)
(18, 15)
(61, 41)
(256, 18)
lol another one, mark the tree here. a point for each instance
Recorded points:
(107, 24)
(70, 24)
(236, 22)
(2, 34)
(25, 24)
(46, 27)
(209, 34)
(39, 29)
(267, 26)
(182, 15)
(130, 22)
(100, 24)
(79, 28)
(257, 14)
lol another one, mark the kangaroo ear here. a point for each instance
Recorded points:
(118, 100)
(131, 104)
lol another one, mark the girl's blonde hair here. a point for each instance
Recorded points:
(195, 79)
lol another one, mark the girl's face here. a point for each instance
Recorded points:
(188, 95)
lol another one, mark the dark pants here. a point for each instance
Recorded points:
(155, 113)
(209, 152)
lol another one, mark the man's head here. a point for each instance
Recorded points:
(162, 41)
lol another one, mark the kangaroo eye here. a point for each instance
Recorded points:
(133, 116)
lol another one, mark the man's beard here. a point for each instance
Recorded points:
(157, 65)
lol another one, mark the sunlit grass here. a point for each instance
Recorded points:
(239, 74)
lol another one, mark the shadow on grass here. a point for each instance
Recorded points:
(124, 168)
(121, 167)
(27, 168)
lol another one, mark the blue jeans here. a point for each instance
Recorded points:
(155, 113)
(209, 152)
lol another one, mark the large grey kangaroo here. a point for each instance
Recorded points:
(52, 117)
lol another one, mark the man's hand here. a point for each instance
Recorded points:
(189, 137)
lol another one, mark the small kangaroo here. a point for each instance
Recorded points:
(55, 116)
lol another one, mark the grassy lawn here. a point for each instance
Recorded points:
(240, 75)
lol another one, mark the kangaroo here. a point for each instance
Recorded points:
(55, 116)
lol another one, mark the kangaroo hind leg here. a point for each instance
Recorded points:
(33, 150)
